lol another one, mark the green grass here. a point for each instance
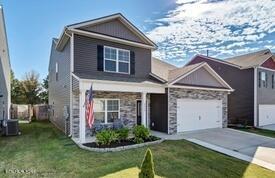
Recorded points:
(45, 152)
(264, 132)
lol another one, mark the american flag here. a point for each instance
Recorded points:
(89, 104)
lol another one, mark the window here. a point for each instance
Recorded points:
(263, 79)
(56, 71)
(106, 110)
(116, 60)
(273, 81)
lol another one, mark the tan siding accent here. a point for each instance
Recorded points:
(200, 77)
(114, 28)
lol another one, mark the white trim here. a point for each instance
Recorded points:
(255, 97)
(121, 18)
(168, 113)
(157, 77)
(75, 76)
(213, 59)
(112, 39)
(82, 120)
(71, 81)
(143, 109)
(210, 70)
(264, 68)
(200, 88)
(105, 85)
(106, 108)
(117, 61)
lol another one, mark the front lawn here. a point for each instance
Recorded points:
(42, 150)
(264, 132)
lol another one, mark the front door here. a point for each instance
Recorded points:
(138, 112)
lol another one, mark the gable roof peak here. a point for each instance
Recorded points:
(251, 60)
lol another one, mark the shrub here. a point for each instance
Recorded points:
(140, 133)
(147, 166)
(106, 137)
(123, 133)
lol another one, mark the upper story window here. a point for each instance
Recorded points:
(56, 71)
(273, 81)
(116, 60)
(263, 79)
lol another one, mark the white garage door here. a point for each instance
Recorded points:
(266, 114)
(198, 114)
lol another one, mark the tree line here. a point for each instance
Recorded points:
(29, 90)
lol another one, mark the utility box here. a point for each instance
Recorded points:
(12, 128)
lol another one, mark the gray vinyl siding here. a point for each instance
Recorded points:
(265, 95)
(200, 77)
(114, 28)
(59, 90)
(241, 101)
(3, 91)
(85, 59)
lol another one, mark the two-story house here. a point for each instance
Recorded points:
(128, 84)
(252, 77)
(5, 99)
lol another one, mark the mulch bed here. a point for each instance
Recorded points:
(121, 143)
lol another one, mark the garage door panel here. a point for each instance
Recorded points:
(198, 114)
(266, 115)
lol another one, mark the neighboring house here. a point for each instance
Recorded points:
(252, 77)
(129, 85)
(5, 99)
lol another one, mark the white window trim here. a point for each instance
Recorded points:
(106, 109)
(116, 60)
(56, 71)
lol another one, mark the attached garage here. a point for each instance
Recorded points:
(195, 114)
(266, 115)
(197, 99)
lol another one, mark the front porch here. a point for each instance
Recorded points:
(124, 101)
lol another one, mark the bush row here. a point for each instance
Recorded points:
(107, 136)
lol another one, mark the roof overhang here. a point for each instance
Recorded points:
(226, 86)
(116, 86)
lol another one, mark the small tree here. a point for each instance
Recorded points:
(147, 166)
(44, 94)
(31, 87)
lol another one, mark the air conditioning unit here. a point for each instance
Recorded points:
(12, 127)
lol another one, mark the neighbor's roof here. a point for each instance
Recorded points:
(161, 68)
(251, 59)
(176, 73)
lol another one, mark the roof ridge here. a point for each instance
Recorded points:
(248, 54)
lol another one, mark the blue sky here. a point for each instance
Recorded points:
(181, 28)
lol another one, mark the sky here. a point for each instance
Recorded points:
(180, 28)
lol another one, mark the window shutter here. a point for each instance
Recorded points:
(132, 63)
(99, 58)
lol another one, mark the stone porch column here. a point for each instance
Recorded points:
(143, 109)
(82, 120)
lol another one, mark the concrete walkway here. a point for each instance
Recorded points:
(269, 127)
(249, 147)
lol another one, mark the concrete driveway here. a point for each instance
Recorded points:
(269, 127)
(250, 147)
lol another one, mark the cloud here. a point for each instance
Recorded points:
(223, 27)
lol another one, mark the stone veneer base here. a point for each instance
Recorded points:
(121, 148)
